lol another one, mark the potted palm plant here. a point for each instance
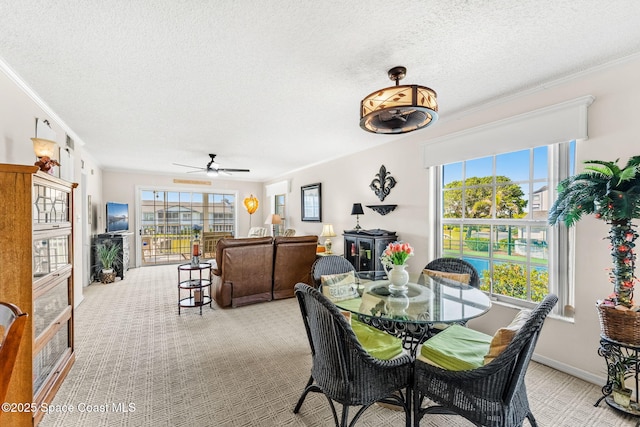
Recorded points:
(612, 194)
(109, 257)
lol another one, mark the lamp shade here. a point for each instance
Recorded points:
(251, 204)
(357, 209)
(327, 231)
(44, 147)
(399, 108)
(273, 219)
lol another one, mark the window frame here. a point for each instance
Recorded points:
(560, 259)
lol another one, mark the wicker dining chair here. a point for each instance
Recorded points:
(12, 323)
(329, 264)
(455, 265)
(341, 369)
(493, 395)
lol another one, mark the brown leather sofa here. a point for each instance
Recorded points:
(252, 270)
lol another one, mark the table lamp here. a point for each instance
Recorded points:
(327, 231)
(357, 211)
(273, 219)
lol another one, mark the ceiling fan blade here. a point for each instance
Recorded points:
(233, 170)
(200, 170)
(187, 166)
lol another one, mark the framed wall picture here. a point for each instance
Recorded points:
(311, 198)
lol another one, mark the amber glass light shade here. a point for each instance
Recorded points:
(251, 204)
(399, 108)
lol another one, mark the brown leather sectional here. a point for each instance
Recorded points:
(257, 269)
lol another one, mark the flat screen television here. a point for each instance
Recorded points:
(117, 217)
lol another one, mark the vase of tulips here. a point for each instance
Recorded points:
(394, 260)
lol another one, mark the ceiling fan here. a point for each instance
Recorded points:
(212, 168)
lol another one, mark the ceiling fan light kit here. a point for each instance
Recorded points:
(399, 108)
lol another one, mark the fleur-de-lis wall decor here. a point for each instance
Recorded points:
(383, 184)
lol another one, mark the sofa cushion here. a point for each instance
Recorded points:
(231, 242)
(339, 287)
(293, 258)
(457, 348)
(244, 273)
(503, 336)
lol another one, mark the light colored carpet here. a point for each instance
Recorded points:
(234, 367)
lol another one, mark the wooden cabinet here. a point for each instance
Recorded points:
(364, 248)
(36, 254)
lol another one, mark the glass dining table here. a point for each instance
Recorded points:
(415, 315)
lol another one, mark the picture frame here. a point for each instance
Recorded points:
(311, 202)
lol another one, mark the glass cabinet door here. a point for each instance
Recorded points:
(365, 252)
(50, 205)
(50, 253)
(48, 306)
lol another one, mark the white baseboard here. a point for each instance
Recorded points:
(568, 369)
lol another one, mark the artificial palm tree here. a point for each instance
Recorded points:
(613, 195)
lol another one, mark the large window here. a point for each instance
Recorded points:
(494, 215)
(168, 219)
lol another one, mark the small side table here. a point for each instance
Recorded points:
(613, 352)
(194, 280)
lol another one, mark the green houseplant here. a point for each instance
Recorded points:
(109, 257)
(611, 194)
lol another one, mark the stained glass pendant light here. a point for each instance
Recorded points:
(399, 108)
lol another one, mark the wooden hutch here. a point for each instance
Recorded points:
(36, 254)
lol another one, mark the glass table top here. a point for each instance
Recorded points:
(427, 299)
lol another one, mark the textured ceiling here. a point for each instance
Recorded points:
(275, 85)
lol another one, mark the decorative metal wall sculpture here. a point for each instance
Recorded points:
(383, 184)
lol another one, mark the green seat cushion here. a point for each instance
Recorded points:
(377, 343)
(457, 348)
(352, 305)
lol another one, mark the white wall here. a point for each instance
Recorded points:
(613, 132)
(18, 110)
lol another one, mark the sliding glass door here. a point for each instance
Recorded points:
(167, 219)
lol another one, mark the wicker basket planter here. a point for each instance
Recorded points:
(619, 325)
(108, 276)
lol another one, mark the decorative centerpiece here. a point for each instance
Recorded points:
(394, 260)
(195, 246)
(613, 195)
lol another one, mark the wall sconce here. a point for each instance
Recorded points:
(273, 219)
(251, 204)
(357, 210)
(44, 150)
(327, 231)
